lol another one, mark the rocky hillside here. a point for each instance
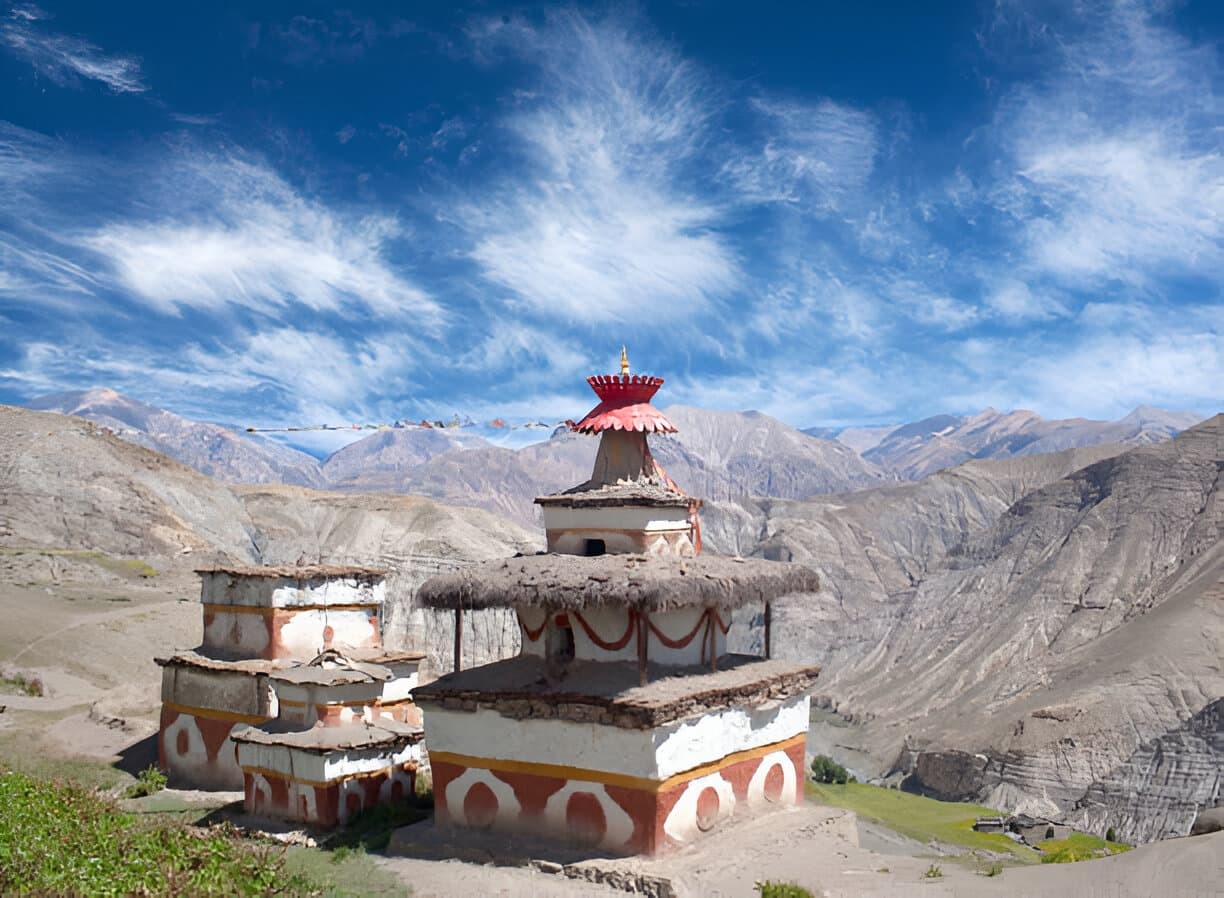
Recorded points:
(209, 448)
(912, 451)
(1022, 643)
(69, 486)
(384, 459)
(717, 455)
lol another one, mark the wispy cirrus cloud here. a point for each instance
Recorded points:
(814, 153)
(282, 373)
(188, 229)
(1117, 172)
(67, 60)
(600, 226)
(232, 232)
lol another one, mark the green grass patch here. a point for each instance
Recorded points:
(919, 818)
(20, 684)
(1078, 847)
(61, 838)
(371, 829)
(354, 874)
(149, 782)
(771, 889)
(125, 567)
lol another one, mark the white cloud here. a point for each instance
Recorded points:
(599, 227)
(232, 232)
(1117, 169)
(1013, 301)
(322, 374)
(280, 375)
(815, 153)
(64, 59)
(40, 276)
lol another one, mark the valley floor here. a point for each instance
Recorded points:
(87, 630)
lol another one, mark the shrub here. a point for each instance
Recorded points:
(149, 781)
(770, 889)
(993, 870)
(1110, 835)
(22, 685)
(933, 872)
(826, 770)
(59, 838)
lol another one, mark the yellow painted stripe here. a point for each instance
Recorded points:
(408, 766)
(736, 758)
(213, 714)
(680, 527)
(645, 784)
(355, 703)
(264, 611)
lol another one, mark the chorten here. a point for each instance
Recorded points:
(629, 504)
(624, 723)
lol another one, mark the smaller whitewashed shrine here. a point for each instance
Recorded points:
(347, 738)
(624, 724)
(291, 697)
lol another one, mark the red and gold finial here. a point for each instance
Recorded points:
(625, 403)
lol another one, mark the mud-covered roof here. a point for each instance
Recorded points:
(641, 582)
(634, 493)
(609, 692)
(335, 667)
(322, 739)
(298, 572)
(251, 666)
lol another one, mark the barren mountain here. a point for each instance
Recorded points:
(730, 455)
(382, 460)
(75, 492)
(716, 455)
(209, 448)
(913, 451)
(1055, 649)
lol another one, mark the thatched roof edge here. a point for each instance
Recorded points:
(640, 582)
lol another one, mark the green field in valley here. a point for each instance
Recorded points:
(919, 818)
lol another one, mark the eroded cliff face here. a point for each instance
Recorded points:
(1019, 642)
(1161, 788)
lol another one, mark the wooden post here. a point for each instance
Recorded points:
(712, 626)
(768, 621)
(458, 639)
(642, 636)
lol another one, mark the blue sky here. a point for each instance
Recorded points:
(866, 214)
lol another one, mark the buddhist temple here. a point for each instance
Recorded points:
(347, 737)
(623, 724)
(291, 697)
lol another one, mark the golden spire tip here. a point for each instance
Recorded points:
(624, 362)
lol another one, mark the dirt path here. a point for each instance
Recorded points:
(91, 620)
(813, 846)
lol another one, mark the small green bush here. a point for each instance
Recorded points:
(149, 781)
(993, 870)
(826, 770)
(59, 838)
(1110, 835)
(22, 685)
(771, 889)
(933, 872)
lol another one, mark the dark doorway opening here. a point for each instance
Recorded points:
(595, 547)
(565, 645)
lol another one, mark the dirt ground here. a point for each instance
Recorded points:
(817, 848)
(89, 634)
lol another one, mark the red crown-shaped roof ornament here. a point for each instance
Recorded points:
(624, 403)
